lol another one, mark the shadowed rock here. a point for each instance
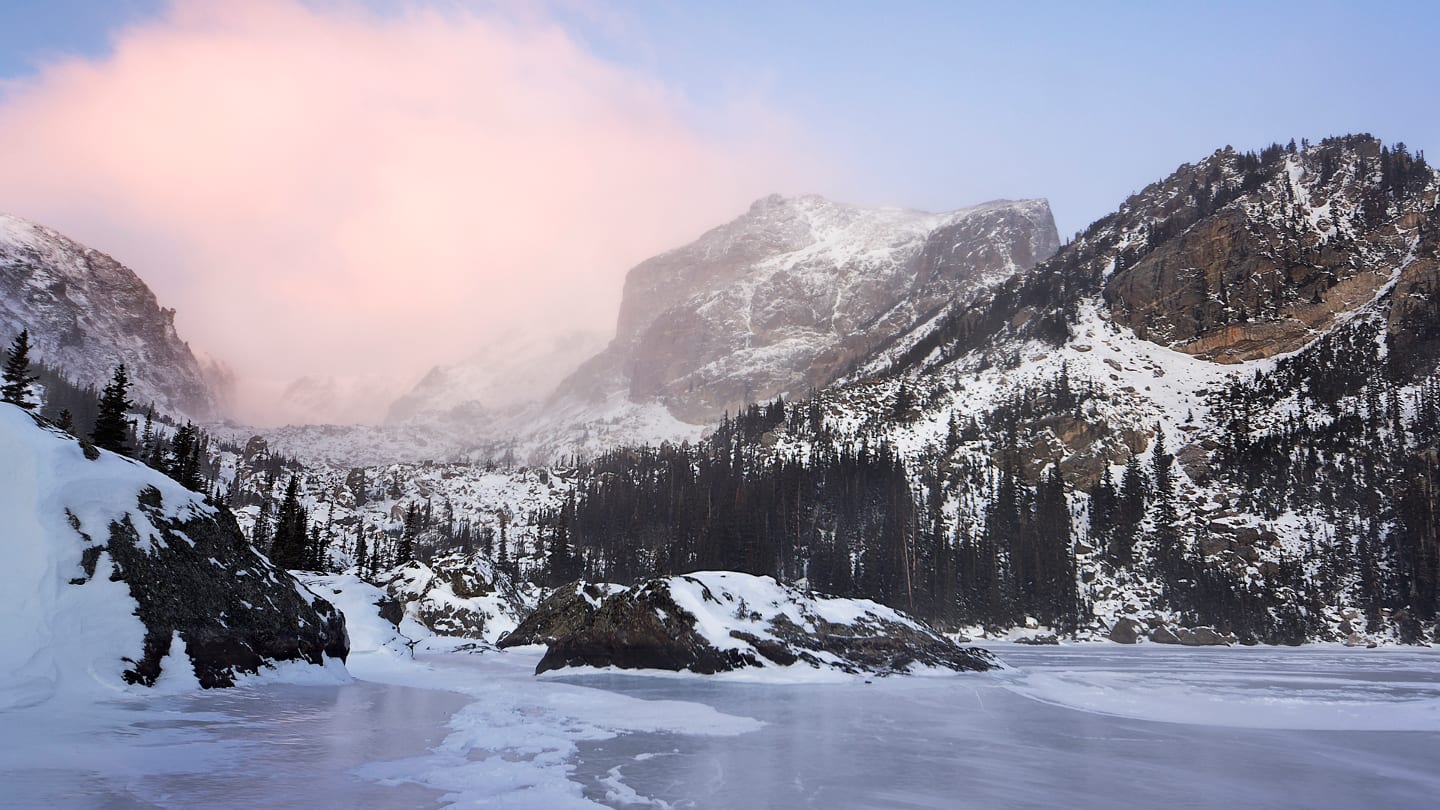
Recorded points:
(747, 622)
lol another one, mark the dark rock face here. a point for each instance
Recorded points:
(235, 611)
(88, 313)
(1414, 319)
(791, 295)
(641, 629)
(646, 627)
(566, 611)
(1313, 238)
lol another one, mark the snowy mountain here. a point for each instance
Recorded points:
(787, 297)
(117, 576)
(1234, 376)
(782, 300)
(87, 313)
(1212, 418)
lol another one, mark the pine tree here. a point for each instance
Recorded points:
(260, 535)
(361, 550)
(17, 377)
(65, 422)
(1134, 493)
(405, 549)
(1102, 511)
(185, 451)
(291, 536)
(1167, 534)
(147, 436)
(111, 428)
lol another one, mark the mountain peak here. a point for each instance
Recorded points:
(794, 292)
(87, 313)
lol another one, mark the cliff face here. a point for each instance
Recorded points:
(87, 313)
(1313, 235)
(790, 295)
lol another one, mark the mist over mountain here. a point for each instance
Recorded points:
(506, 374)
(718, 405)
(1209, 419)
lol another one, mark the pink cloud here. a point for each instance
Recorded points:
(334, 192)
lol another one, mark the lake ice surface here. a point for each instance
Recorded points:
(1071, 726)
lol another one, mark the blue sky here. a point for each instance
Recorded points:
(941, 104)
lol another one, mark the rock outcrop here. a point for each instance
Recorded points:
(457, 595)
(719, 621)
(116, 574)
(87, 313)
(1314, 235)
(1125, 631)
(194, 575)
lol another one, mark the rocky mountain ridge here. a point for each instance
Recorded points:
(1262, 328)
(781, 300)
(87, 313)
(786, 297)
(1088, 446)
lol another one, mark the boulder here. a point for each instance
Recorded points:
(235, 611)
(718, 621)
(1125, 631)
(1205, 637)
(1164, 635)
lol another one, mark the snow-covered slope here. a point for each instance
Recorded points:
(115, 575)
(87, 313)
(1271, 318)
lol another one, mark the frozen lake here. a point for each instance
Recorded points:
(1075, 726)
(1086, 726)
(248, 747)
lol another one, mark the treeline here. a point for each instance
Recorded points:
(103, 419)
(841, 518)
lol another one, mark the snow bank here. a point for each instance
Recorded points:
(58, 638)
(76, 595)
